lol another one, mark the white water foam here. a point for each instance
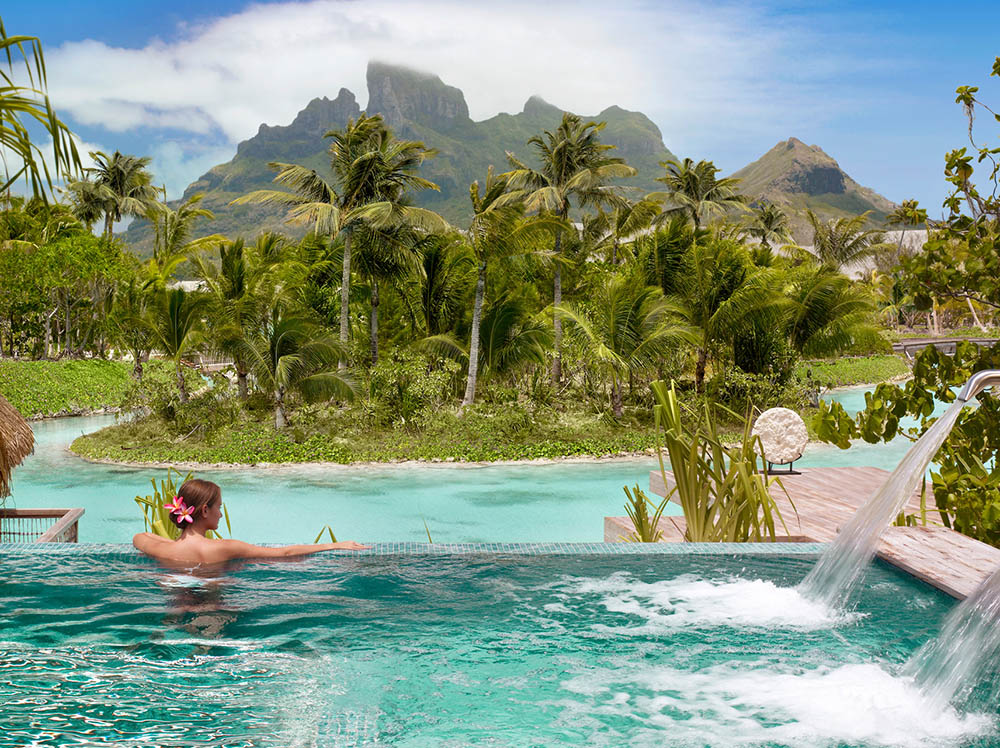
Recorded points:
(690, 601)
(722, 706)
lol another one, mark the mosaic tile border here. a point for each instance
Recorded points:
(517, 549)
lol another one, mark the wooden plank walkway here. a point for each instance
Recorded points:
(826, 498)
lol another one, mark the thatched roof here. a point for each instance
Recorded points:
(17, 441)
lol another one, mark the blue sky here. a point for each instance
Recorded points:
(872, 83)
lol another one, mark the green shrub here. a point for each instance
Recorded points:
(405, 382)
(750, 393)
(722, 491)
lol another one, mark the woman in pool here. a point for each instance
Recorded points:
(196, 509)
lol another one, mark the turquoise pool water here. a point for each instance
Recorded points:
(561, 502)
(102, 649)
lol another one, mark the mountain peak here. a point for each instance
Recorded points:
(536, 106)
(794, 167)
(400, 94)
(296, 140)
(799, 176)
(416, 105)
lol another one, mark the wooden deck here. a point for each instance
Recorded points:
(826, 498)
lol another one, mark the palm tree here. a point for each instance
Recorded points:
(625, 327)
(498, 230)
(292, 353)
(388, 257)
(22, 107)
(131, 325)
(177, 322)
(660, 254)
(626, 220)
(574, 165)
(372, 173)
(717, 288)
(238, 294)
(123, 186)
(172, 243)
(442, 287)
(768, 223)
(842, 242)
(87, 200)
(828, 313)
(510, 337)
(696, 192)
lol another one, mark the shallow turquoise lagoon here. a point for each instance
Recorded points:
(494, 503)
(561, 502)
(102, 649)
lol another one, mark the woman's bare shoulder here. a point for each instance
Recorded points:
(144, 540)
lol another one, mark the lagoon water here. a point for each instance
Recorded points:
(561, 502)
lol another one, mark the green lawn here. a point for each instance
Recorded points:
(843, 372)
(50, 388)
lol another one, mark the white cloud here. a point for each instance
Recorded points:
(263, 64)
(176, 167)
(684, 63)
(47, 153)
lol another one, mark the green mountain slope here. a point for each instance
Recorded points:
(417, 106)
(798, 177)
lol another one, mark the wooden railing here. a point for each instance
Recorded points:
(37, 525)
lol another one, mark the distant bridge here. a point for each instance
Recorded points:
(912, 346)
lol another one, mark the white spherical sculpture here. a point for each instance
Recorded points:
(783, 435)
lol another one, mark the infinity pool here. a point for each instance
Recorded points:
(102, 648)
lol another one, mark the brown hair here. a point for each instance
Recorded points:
(197, 494)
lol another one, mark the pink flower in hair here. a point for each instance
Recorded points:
(184, 514)
(176, 506)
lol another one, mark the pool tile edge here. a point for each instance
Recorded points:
(518, 549)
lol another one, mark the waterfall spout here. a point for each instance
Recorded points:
(979, 382)
(839, 569)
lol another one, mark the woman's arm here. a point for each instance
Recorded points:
(234, 549)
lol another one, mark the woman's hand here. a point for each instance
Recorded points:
(349, 545)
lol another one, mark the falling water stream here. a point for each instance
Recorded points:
(837, 572)
(949, 668)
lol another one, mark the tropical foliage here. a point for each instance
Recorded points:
(724, 491)
(553, 309)
(958, 262)
(24, 105)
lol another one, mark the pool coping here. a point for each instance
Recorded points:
(517, 549)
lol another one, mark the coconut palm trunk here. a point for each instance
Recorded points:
(975, 317)
(374, 323)
(181, 384)
(699, 370)
(616, 397)
(345, 292)
(557, 323)
(241, 382)
(477, 313)
(280, 419)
